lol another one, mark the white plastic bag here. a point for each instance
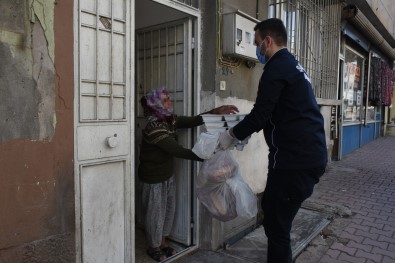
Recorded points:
(222, 190)
(205, 145)
(246, 200)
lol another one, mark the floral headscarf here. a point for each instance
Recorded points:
(153, 106)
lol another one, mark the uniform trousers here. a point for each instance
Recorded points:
(285, 191)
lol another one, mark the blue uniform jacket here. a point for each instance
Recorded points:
(287, 111)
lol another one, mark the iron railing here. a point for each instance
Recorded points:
(313, 37)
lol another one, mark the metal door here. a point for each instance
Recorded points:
(164, 59)
(103, 158)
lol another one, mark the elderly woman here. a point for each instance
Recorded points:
(159, 147)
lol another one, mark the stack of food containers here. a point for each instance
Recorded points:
(220, 123)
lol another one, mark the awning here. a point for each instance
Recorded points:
(360, 22)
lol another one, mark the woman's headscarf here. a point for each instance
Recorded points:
(153, 106)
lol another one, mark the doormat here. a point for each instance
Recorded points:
(253, 247)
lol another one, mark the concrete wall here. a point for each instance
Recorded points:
(385, 11)
(241, 90)
(36, 131)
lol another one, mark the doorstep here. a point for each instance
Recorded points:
(252, 247)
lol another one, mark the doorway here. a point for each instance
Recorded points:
(164, 56)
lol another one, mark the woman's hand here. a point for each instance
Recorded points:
(226, 109)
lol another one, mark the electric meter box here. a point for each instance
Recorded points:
(238, 35)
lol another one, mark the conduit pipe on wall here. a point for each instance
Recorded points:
(360, 21)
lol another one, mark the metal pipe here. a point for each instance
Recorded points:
(257, 9)
(367, 89)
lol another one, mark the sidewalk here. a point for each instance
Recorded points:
(358, 193)
(364, 181)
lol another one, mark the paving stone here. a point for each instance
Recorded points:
(375, 243)
(388, 260)
(348, 236)
(344, 248)
(369, 224)
(359, 246)
(380, 251)
(333, 253)
(363, 254)
(386, 233)
(347, 258)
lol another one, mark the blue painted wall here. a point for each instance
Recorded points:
(350, 138)
(367, 133)
(355, 136)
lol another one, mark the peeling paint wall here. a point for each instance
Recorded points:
(43, 10)
(27, 75)
(36, 131)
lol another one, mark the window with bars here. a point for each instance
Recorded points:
(313, 28)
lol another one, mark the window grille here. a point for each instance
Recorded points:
(191, 3)
(313, 28)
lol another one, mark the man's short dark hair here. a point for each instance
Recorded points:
(273, 27)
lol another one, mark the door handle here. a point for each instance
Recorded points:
(112, 142)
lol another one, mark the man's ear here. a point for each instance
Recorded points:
(268, 40)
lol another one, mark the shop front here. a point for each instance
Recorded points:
(366, 91)
(354, 132)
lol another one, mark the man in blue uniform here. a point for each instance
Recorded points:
(287, 111)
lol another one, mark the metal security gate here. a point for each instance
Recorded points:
(103, 121)
(164, 58)
(314, 38)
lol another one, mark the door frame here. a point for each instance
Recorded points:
(195, 93)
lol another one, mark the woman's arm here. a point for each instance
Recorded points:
(171, 146)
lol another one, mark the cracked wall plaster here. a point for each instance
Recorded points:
(44, 10)
(44, 76)
(27, 73)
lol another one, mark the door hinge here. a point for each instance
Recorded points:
(193, 43)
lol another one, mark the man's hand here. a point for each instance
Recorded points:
(226, 109)
(226, 140)
(245, 141)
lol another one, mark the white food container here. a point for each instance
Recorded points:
(231, 124)
(231, 117)
(211, 129)
(212, 118)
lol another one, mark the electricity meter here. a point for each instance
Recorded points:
(238, 35)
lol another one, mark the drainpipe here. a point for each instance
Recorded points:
(257, 9)
(367, 92)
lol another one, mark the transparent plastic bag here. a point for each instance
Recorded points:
(246, 200)
(206, 145)
(222, 190)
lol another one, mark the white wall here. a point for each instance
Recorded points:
(385, 11)
(253, 160)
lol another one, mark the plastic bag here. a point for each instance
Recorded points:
(246, 200)
(205, 145)
(222, 190)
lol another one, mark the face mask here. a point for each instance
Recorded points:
(260, 57)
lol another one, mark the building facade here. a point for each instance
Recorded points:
(70, 83)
